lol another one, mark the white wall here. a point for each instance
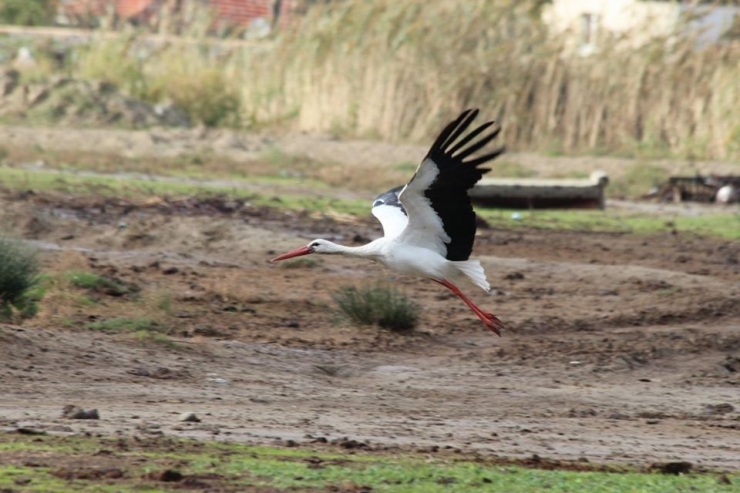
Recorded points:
(638, 21)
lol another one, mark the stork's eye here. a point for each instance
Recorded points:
(315, 244)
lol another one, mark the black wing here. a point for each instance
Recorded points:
(442, 181)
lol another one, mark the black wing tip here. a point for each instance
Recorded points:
(446, 145)
(477, 161)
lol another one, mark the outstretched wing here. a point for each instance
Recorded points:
(440, 214)
(390, 212)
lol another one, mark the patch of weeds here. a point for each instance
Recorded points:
(123, 324)
(300, 263)
(380, 304)
(84, 280)
(101, 284)
(19, 275)
(163, 301)
(84, 300)
(149, 337)
(638, 180)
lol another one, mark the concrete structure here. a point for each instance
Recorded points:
(587, 22)
(526, 193)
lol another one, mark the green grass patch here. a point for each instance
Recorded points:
(236, 466)
(721, 224)
(94, 282)
(134, 187)
(84, 280)
(143, 330)
(147, 336)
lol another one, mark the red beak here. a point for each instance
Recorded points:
(293, 253)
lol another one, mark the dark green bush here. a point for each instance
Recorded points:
(382, 305)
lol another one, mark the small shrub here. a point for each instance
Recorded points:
(638, 179)
(18, 277)
(381, 304)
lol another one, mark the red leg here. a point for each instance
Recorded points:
(489, 319)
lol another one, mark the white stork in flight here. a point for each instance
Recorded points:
(429, 224)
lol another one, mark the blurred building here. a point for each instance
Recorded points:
(586, 23)
(257, 14)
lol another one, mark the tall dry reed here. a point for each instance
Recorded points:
(398, 70)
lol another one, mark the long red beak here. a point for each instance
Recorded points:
(293, 253)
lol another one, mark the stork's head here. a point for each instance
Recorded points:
(316, 246)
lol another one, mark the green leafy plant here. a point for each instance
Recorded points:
(382, 305)
(19, 271)
(27, 12)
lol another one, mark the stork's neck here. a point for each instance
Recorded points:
(370, 250)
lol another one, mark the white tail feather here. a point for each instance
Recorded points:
(474, 270)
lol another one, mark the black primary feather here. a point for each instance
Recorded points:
(448, 194)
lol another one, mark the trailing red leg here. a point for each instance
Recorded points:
(489, 319)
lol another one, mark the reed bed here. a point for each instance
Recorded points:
(398, 70)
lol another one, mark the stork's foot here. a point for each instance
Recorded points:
(491, 321)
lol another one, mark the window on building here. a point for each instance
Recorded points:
(589, 27)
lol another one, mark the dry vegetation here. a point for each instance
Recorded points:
(396, 70)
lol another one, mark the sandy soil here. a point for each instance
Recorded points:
(618, 348)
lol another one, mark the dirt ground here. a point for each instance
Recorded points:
(619, 349)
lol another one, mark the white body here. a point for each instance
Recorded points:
(412, 260)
